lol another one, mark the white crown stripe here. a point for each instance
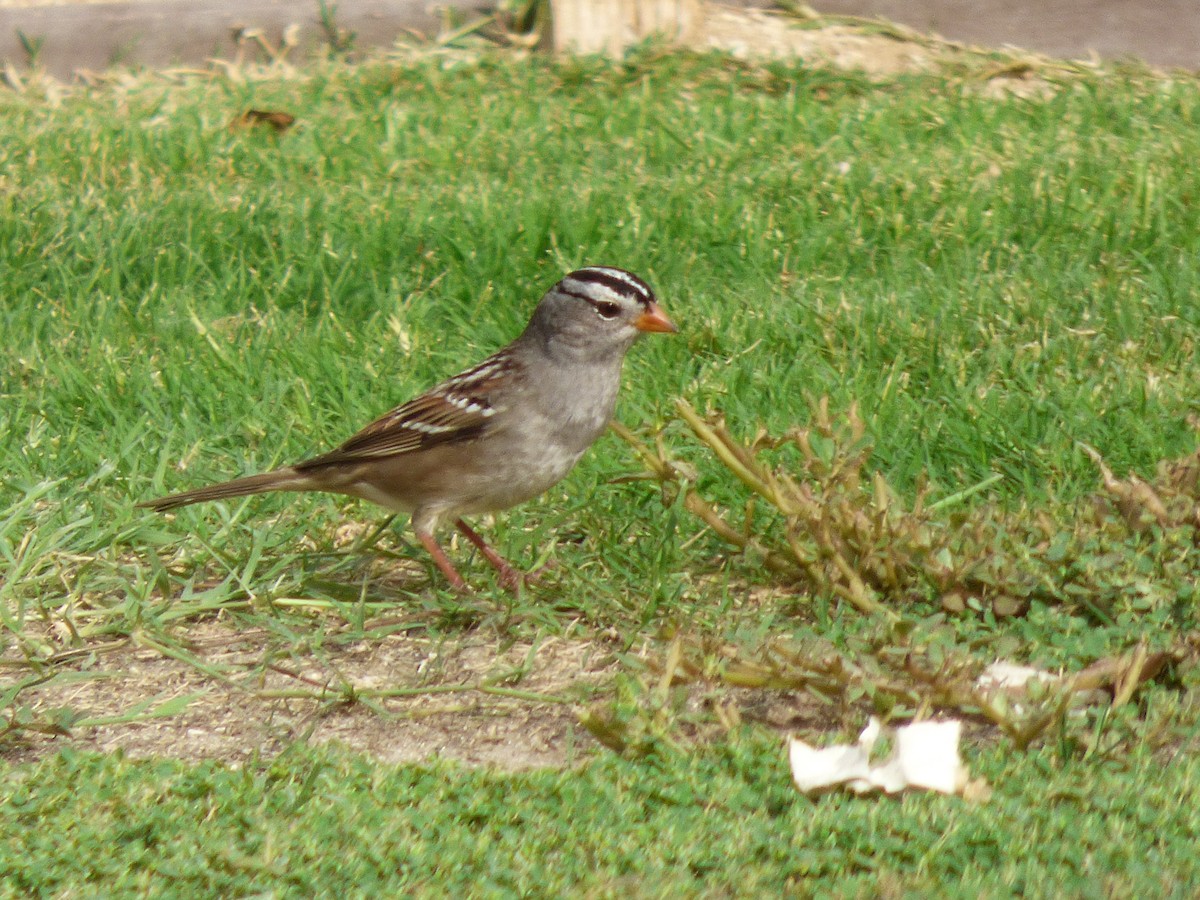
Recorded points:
(592, 291)
(586, 289)
(607, 280)
(621, 275)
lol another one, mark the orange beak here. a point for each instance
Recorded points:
(654, 319)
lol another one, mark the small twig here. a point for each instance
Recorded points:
(956, 498)
(428, 691)
(463, 30)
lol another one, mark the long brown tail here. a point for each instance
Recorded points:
(279, 480)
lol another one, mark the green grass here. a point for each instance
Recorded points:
(723, 822)
(992, 280)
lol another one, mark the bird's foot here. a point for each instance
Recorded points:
(510, 577)
(513, 579)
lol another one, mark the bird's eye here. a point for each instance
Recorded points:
(608, 310)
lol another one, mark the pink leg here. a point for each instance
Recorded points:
(442, 561)
(510, 577)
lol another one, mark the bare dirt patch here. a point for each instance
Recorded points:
(418, 699)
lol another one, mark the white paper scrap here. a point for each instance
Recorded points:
(1010, 676)
(924, 755)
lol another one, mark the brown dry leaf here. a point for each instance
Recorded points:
(1122, 675)
(1133, 498)
(280, 121)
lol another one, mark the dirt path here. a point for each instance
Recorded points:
(67, 37)
(1162, 33)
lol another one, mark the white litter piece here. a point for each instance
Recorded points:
(924, 755)
(1010, 676)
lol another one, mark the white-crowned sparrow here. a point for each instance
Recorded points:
(498, 434)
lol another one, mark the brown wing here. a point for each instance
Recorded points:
(459, 409)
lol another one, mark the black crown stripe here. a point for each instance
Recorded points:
(633, 287)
